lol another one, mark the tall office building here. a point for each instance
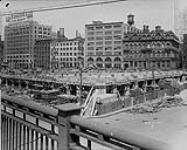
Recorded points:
(42, 53)
(1, 50)
(20, 35)
(103, 42)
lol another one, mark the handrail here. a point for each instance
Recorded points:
(124, 136)
(30, 104)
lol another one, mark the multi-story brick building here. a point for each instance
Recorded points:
(147, 49)
(42, 53)
(60, 52)
(67, 53)
(42, 50)
(184, 51)
(103, 42)
(20, 39)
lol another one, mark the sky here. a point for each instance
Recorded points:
(149, 12)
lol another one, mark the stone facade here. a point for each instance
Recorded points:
(103, 42)
(151, 49)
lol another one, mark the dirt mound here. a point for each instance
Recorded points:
(154, 107)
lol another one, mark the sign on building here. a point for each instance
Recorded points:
(19, 17)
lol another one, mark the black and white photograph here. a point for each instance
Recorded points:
(93, 74)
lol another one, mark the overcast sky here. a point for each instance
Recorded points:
(150, 12)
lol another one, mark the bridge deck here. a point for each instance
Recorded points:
(168, 125)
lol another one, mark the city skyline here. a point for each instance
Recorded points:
(71, 21)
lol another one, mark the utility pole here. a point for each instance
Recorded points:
(80, 84)
(153, 73)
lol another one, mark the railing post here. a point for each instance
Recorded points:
(132, 101)
(65, 111)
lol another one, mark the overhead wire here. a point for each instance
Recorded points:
(76, 5)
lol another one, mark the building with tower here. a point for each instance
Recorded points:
(103, 42)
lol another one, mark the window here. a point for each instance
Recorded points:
(117, 26)
(90, 53)
(90, 38)
(99, 38)
(90, 28)
(108, 48)
(90, 43)
(90, 48)
(108, 32)
(108, 38)
(99, 43)
(90, 33)
(108, 42)
(99, 48)
(117, 37)
(99, 27)
(108, 27)
(117, 48)
(99, 32)
(117, 42)
(117, 32)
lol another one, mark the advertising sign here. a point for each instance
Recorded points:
(19, 17)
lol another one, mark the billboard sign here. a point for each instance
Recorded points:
(19, 17)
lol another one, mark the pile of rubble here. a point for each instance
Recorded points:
(154, 107)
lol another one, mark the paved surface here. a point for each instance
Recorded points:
(168, 125)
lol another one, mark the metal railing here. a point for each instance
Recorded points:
(28, 125)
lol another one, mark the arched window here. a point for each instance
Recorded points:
(117, 59)
(99, 59)
(108, 59)
(99, 65)
(90, 59)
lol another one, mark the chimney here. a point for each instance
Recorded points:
(77, 33)
(144, 28)
(130, 19)
(147, 28)
(158, 28)
(61, 31)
